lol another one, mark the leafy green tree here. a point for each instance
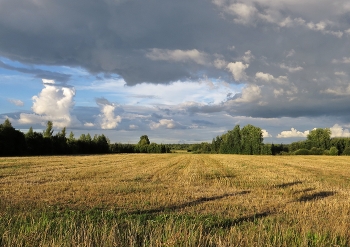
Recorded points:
(142, 145)
(154, 148)
(266, 149)
(237, 139)
(251, 139)
(231, 141)
(215, 145)
(294, 146)
(144, 140)
(346, 151)
(320, 138)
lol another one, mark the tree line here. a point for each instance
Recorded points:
(15, 143)
(247, 140)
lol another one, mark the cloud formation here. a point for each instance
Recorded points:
(238, 70)
(16, 102)
(293, 133)
(165, 123)
(107, 118)
(178, 60)
(338, 131)
(54, 103)
(177, 55)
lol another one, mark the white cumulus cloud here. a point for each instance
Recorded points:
(265, 133)
(107, 118)
(238, 70)
(165, 123)
(16, 102)
(89, 124)
(293, 133)
(54, 103)
(250, 93)
(338, 131)
(282, 80)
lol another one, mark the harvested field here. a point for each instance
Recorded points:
(175, 200)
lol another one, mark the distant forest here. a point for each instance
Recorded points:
(247, 140)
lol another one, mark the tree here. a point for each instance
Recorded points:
(30, 132)
(251, 139)
(236, 136)
(7, 124)
(320, 138)
(35, 142)
(71, 137)
(144, 140)
(72, 144)
(12, 141)
(100, 144)
(215, 145)
(59, 142)
(49, 130)
(346, 151)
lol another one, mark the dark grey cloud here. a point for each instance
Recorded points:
(111, 37)
(203, 122)
(292, 57)
(39, 73)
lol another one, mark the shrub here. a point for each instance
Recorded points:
(302, 151)
(333, 151)
(316, 151)
(284, 153)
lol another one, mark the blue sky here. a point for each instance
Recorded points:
(177, 71)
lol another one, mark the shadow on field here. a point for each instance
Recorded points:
(316, 196)
(303, 191)
(228, 223)
(285, 185)
(188, 204)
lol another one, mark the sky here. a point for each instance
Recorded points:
(178, 71)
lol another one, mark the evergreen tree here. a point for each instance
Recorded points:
(12, 141)
(49, 130)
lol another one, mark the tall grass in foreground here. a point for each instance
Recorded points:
(175, 200)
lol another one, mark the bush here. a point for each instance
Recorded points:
(333, 151)
(302, 151)
(284, 153)
(346, 151)
(316, 151)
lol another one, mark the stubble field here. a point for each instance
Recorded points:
(175, 200)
